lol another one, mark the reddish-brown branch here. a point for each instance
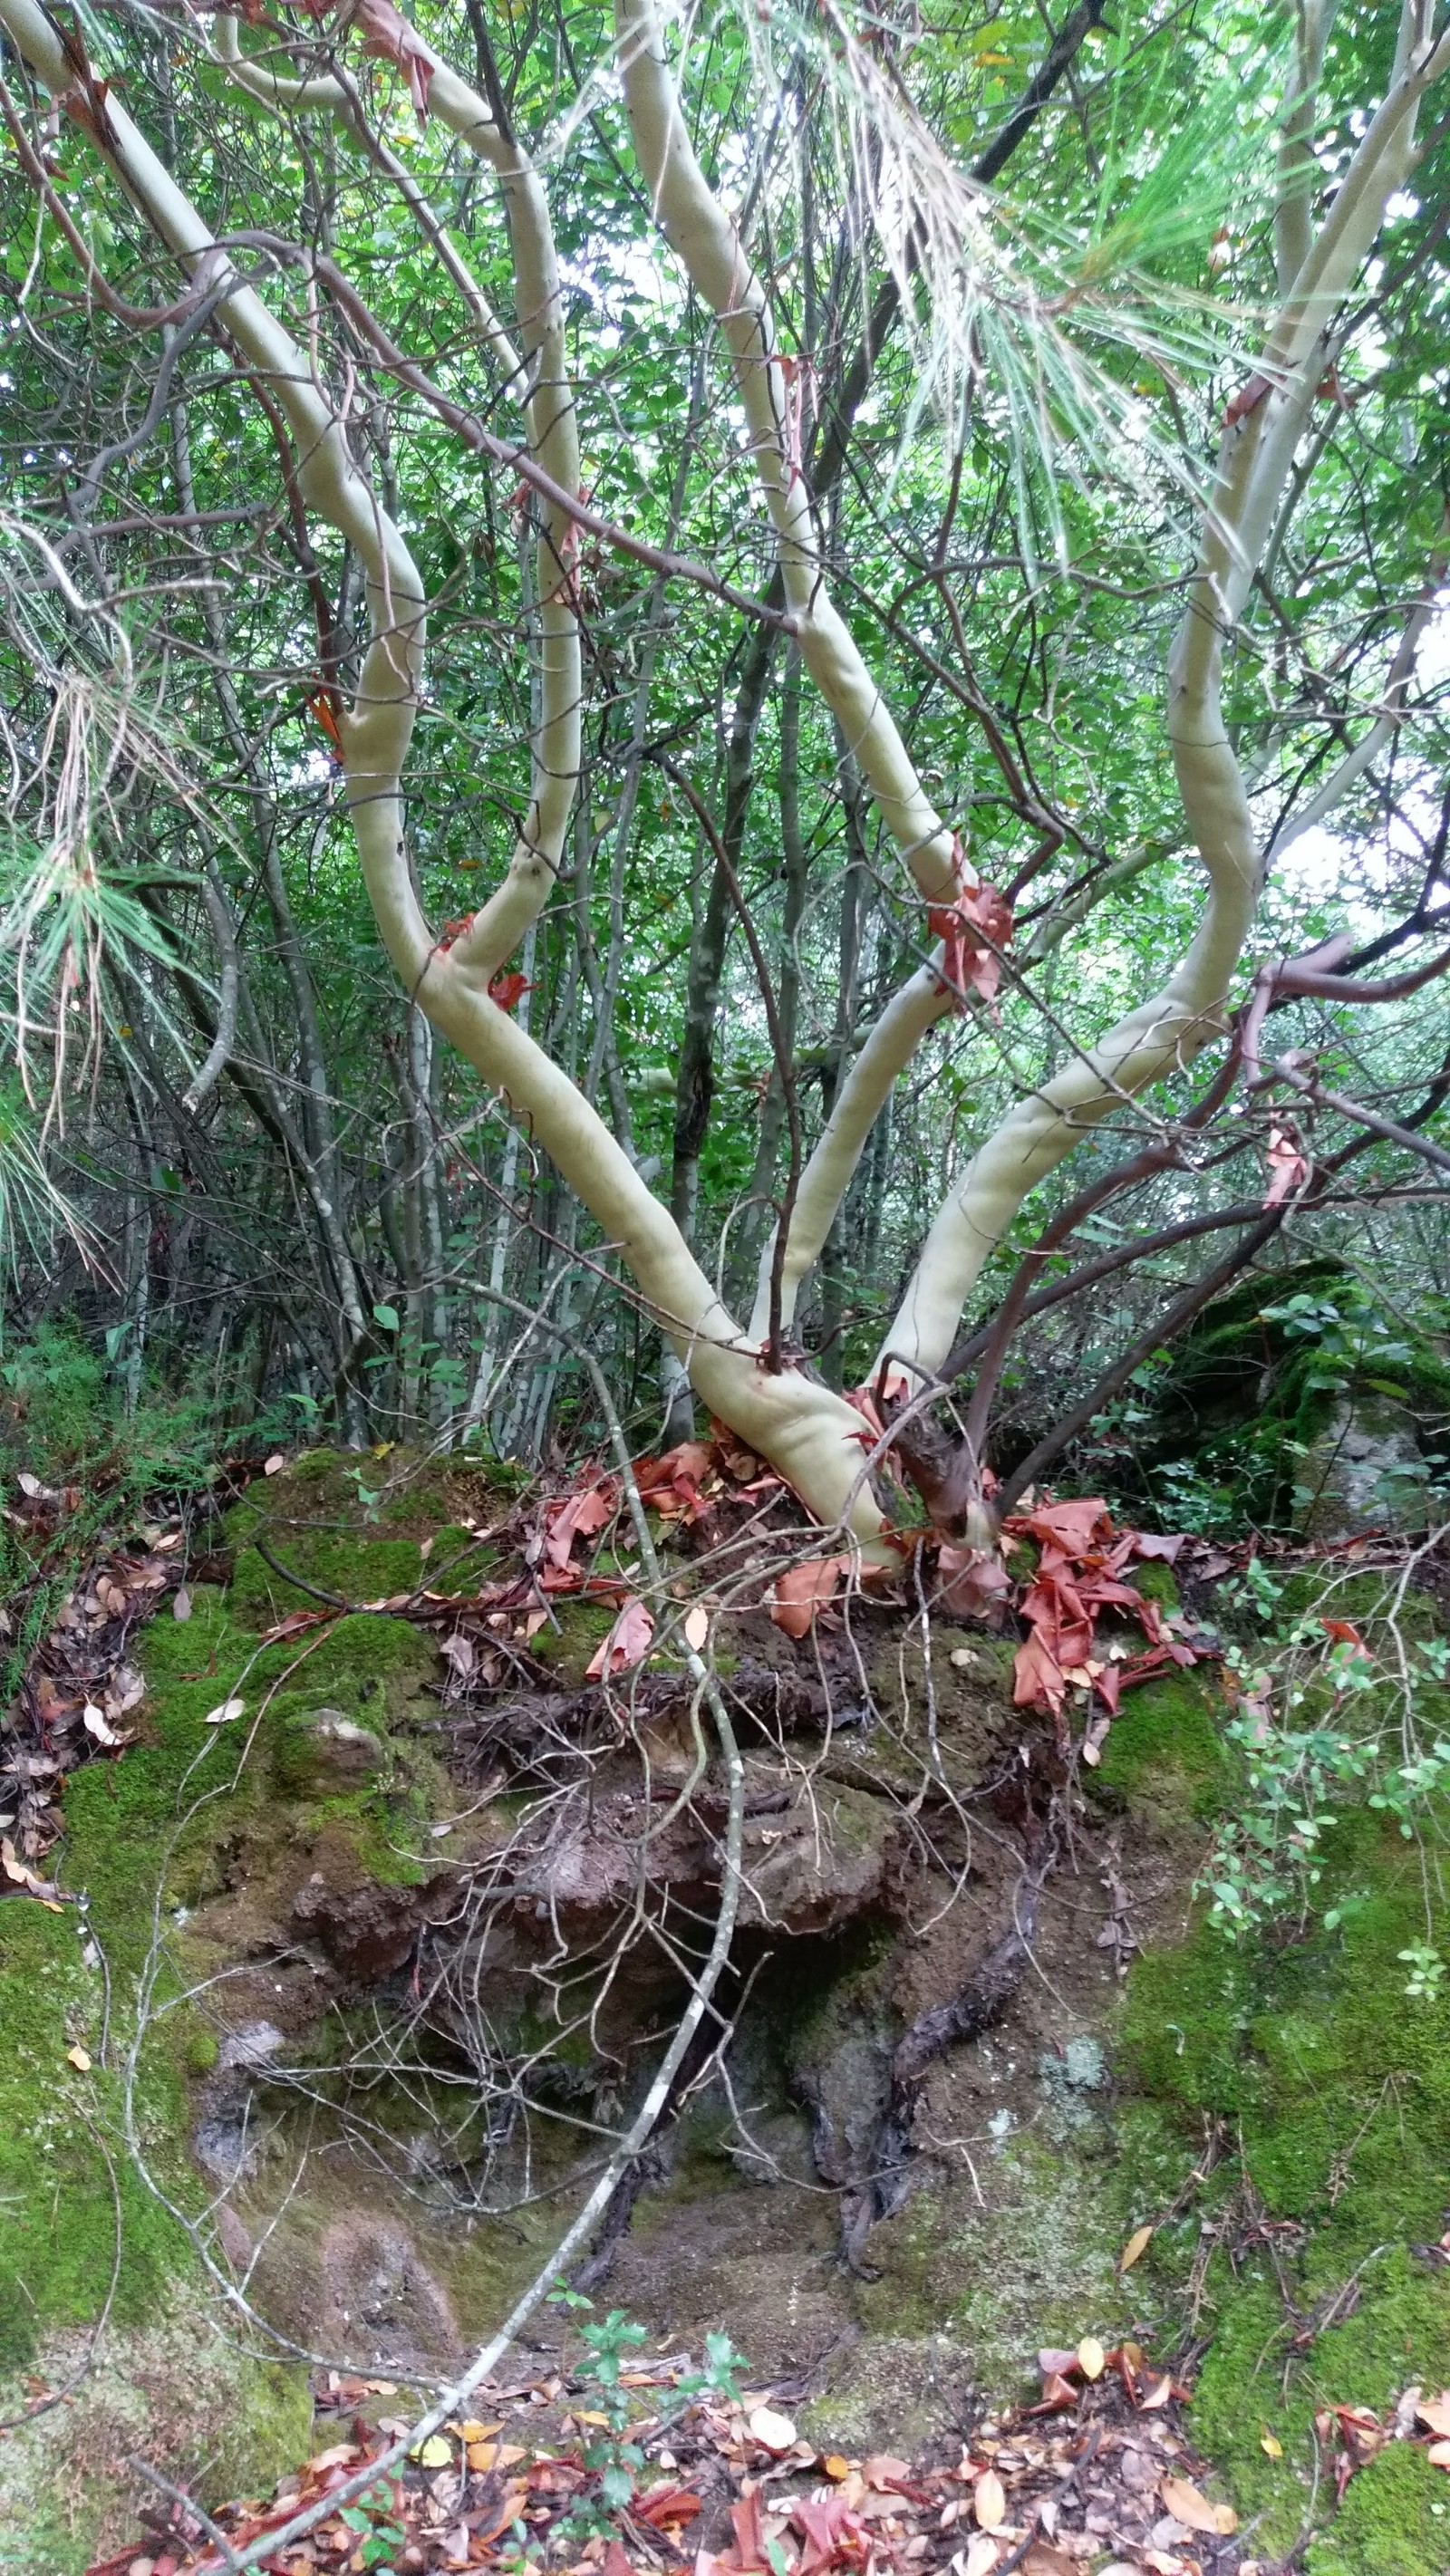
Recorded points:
(786, 1069)
(517, 460)
(140, 317)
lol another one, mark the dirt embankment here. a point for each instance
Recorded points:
(412, 1923)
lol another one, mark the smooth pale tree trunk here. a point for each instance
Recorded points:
(808, 1432)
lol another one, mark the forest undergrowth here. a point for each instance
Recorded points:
(1070, 2116)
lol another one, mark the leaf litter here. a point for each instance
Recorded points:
(1098, 2465)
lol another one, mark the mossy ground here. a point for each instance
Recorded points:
(141, 1834)
(1321, 2089)
(1325, 2092)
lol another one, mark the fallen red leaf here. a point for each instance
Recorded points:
(1344, 1633)
(1072, 1525)
(627, 1643)
(801, 1591)
(749, 2533)
(973, 1582)
(672, 1483)
(667, 2505)
(294, 1624)
(579, 1515)
(834, 2536)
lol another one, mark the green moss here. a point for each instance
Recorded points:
(352, 1568)
(1157, 1582)
(173, 2389)
(1330, 1591)
(1394, 2521)
(568, 1648)
(456, 1561)
(1164, 1747)
(1335, 2088)
(63, 2193)
(185, 1792)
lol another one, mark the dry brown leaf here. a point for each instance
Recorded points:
(1136, 2247)
(15, 1869)
(772, 2430)
(833, 2466)
(1438, 2455)
(1188, 2506)
(80, 2059)
(989, 2501)
(1434, 2413)
(981, 2557)
(1091, 2357)
(802, 1589)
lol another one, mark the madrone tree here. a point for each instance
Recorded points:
(949, 276)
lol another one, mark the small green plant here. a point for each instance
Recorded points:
(1427, 1972)
(369, 1497)
(1317, 1727)
(1256, 1590)
(614, 2459)
(374, 2525)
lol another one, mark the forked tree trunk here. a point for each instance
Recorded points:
(808, 1432)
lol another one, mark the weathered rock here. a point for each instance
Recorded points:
(366, 1931)
(220, 2138)
(340, 1754)
(815, 1856)
(1365, 1471)
(382, 2304)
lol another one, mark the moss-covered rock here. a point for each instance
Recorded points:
(1253, 1408)
(195, 1817)
(1334, 2088)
